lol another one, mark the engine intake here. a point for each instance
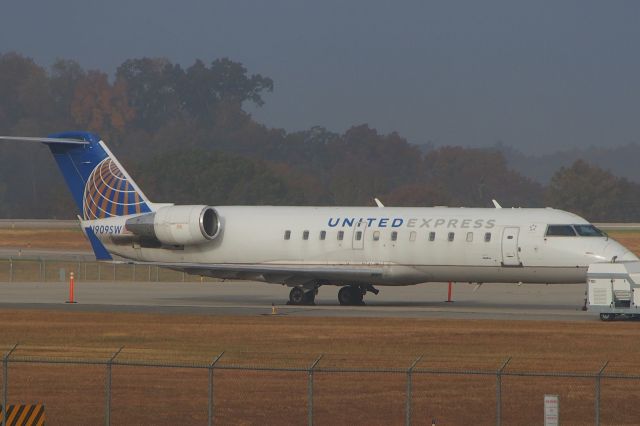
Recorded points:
(177, 225)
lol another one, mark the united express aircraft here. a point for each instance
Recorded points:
(356, 248)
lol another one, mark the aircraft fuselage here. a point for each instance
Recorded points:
(409, 245)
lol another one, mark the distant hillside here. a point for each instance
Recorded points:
(621, 161)
(184, 133)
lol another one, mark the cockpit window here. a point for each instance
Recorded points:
(560, 231)
(588, 231)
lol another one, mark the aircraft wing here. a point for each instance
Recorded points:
(64, 141)
(279, 273)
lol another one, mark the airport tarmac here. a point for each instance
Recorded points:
(490, 301)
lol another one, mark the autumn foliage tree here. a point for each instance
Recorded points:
(185, 135)
(473, 177)
(594, 193)
(101, 106)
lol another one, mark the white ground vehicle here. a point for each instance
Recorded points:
(614, 289)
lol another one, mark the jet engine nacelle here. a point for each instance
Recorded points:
(177, 225)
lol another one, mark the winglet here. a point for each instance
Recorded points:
(378, 202)
(496, 204)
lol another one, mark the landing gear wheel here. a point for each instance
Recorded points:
(344, 296)
(310, 297)
(358, 295)
(296, 296)
(350, 295)
(607, 317)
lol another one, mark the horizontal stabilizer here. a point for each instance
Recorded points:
(45, 140)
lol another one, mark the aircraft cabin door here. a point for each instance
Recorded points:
(358, 235)
(510, 251)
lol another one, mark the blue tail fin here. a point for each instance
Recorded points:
(99, 184)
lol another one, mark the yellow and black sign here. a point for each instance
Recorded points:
(23, 415)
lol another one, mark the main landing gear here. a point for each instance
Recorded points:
(349, 295)
(353, 294)
(298, 296)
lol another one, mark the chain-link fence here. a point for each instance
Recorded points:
(135, 386)
(50, 270)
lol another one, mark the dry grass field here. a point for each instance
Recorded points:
(75, 395)
(60, 239)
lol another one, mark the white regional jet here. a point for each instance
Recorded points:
(304, 248)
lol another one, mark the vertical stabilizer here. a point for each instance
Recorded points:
(100, 186)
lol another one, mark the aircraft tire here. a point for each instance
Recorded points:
(310, 297)
(350, 295)
(296, 296)
(345, 296)
(358, 295)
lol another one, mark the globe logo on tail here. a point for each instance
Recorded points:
(109, 193)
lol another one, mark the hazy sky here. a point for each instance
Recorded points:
(536, 75)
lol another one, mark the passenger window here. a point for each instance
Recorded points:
(432, 236)
(487, 237)
(358, 235)
(340, 235)
(376, 235)
(305, 235)
(412, 236)
(451, 236)
(560, 231)
(323, 235)
(287, 235)
(469, 237)
(394, 236)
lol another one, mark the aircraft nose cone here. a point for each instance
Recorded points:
(628, 256)
(620, 252)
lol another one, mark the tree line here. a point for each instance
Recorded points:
(185, 135)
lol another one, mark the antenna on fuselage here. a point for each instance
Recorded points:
(496, 204)
(378, 202)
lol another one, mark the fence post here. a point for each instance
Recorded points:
(310, 390)
(114, 272)
(99, 274)
(210, 403)
(10, 270)
(408, 406)
(499, 392)
(133, 277)
(5, 385)
(107, 386)
(598, 377)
